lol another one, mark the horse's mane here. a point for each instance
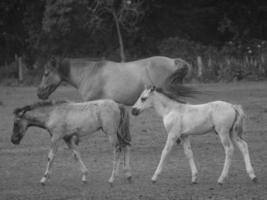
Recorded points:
(173, 88)
(86, 59)
(24, 109)
(98, 62)
(65, 64)
(176, 92)
(177, 76)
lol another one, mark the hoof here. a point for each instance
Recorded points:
(129, 179)
(42, 183)
(194, 182)
(84, 182)
(154, 181)
(255, 180)
(220, 183)
(111, 184)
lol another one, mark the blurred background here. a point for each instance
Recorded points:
(223, 40)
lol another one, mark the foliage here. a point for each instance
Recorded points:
(179, 47)
(233, 61)
(215, 30)
(11, 40)
(8, 71)
(124, 13)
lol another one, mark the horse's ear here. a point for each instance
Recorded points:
(53, 61)
(21, 111)
(153, 88)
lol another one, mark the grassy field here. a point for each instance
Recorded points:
(21, 167)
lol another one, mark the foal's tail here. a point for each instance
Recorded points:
(123, 133)
(238, 126)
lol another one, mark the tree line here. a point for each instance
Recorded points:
(123, 29)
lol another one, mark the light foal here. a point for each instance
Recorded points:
(183, 120)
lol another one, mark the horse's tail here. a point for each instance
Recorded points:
(238, 126)
(123, 133)
(184, 69)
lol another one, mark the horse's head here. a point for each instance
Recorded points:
(19, 127)
(51, 78)
(144, 101)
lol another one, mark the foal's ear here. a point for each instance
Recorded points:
(153, 88)
(147, 87)
(150, 87)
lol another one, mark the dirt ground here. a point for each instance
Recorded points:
(21, 167)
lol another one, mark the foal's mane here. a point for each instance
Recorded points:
(24, 109)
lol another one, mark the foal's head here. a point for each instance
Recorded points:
(20, 124)
(36, 114)
(144, 101)
(171, 91)
(51, 78)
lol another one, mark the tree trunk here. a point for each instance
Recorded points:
(122, 55)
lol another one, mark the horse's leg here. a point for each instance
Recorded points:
(229, 150)
(127, 167)
(165, 152)
(78, 159)
(243, 146)
(51, 156)
(189, 155)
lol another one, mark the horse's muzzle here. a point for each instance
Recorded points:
(15, 140)
(41, 93)
(135, 111)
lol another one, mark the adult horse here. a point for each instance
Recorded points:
(122, 82)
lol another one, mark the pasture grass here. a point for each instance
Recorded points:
(21, 167)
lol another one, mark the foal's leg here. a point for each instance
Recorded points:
(78, 159)
(127, 167)
(229, 150)
(51, 156)
(111, 130)
(189, 155)
(171, 140)
(116, 156)
(116, 163)
(243, 146)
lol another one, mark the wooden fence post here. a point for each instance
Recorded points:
(199, 68)
(20, 69)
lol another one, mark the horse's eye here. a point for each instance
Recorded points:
(143, 99)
